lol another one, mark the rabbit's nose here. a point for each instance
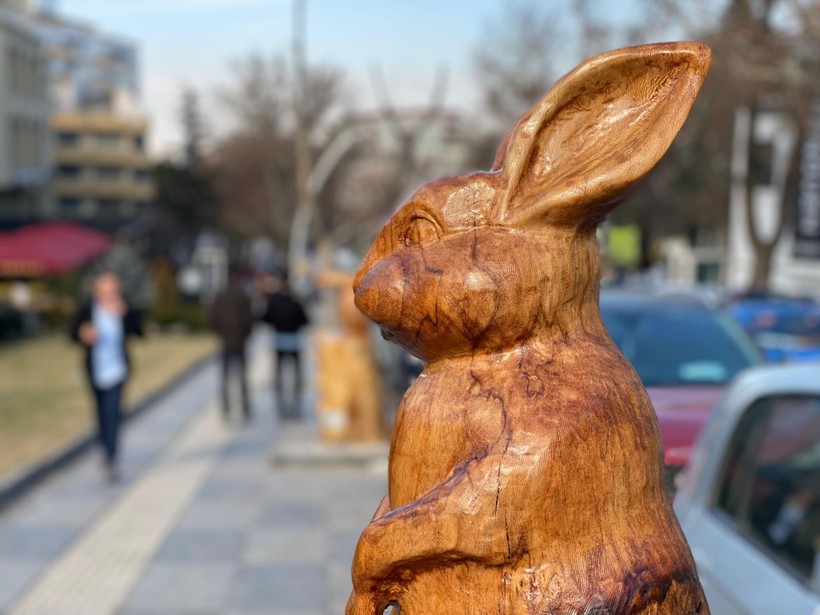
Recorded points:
(380, 292)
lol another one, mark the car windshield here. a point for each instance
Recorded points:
(671, 346)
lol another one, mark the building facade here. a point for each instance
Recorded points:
(88, 69)
(102, 173)
(101, 169)
(795, 264)
(25, 151)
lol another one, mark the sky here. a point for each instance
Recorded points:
(195, 43)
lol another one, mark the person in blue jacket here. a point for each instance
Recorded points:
(102, 326)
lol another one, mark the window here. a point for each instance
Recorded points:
(770, 488)
(69, 204)
(11, 61)
(16, 154)
(108, 172)
(66, 170)
(68, 138)
(676, 346)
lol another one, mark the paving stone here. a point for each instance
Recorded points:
(361, 483)
(296, 587)
(299, 486)
(339, 586)
(252, 539)
(207, 515)
(63, 511)
(200, 545)
(224, 489)
(182, 588)
(264, 546)
(30, 542)
(343, 545)
(281, 612)
(99, 570)
(291, 515)
(81, 485)
(15, 575)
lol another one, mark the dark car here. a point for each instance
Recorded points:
(785, 328)
(685, 354)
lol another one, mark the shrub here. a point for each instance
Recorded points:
(189, 316)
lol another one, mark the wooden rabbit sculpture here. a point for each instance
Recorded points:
(525, 470)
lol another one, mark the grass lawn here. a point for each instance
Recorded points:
(44, 398)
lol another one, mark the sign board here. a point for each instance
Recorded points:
(807, 220)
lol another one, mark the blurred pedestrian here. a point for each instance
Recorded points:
(232, 320)
(287, 317)
(103, 326)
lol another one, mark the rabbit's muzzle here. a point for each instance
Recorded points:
(468, 291)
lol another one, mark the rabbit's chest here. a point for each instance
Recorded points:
(439, 426)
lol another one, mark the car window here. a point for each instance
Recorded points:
(770, 483)
(680, 347)
(785, 316)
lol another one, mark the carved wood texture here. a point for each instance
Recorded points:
(525, 469)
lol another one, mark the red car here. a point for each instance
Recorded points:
(685, 354)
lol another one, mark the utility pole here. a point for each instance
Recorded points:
(305, 196)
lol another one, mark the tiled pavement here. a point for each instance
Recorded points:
(202, 523)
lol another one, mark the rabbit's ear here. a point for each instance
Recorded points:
(601, 128)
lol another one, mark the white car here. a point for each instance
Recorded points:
(749, 502)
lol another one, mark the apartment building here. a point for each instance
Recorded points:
(25, 152)
(102, 173)
(101, 169)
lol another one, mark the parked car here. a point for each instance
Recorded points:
(685, 353)
(750, 500)
(785, 328)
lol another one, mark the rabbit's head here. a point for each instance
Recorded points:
(484, 261)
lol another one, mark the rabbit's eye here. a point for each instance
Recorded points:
(421, 230)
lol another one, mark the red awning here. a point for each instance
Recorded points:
(49, 248)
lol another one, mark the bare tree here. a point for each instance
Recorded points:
(515, 59)
(186, 202)
(255, 163)
(766, 55)
(193, 129)
(407, 133)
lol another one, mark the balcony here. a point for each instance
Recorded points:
(104, 123)
(83, 156)
(109, 189)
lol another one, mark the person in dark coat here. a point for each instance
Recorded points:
(232, 320)
(103, 327)
(287, 317)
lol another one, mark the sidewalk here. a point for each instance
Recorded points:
(202, 523)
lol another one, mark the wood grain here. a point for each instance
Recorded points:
(526, 473)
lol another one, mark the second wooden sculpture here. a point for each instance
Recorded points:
(525, 469)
